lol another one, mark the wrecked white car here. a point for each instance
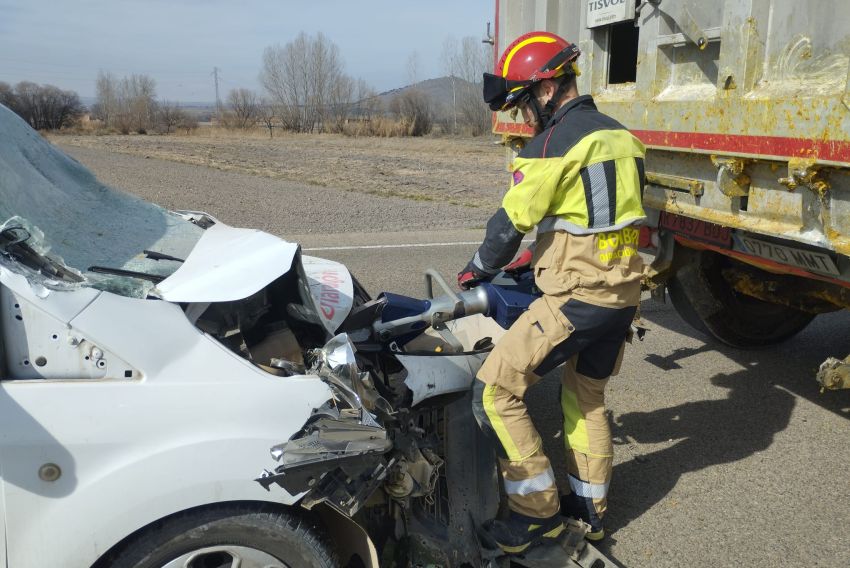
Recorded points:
(177, 392)
(150, 360)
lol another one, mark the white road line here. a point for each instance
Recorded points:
(408, 245)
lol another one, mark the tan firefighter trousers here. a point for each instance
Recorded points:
(554, 330)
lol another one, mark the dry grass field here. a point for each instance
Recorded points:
(460, 171)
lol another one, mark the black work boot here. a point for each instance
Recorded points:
(582, 509)
(518, 532)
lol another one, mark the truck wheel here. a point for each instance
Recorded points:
(708, 303)
(226, 536)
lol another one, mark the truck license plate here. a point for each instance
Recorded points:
(805, 259)
(702, 230)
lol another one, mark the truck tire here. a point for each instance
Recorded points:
(708, 303)
(249, 536)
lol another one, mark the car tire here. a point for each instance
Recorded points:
(709, 303)
(249, 536)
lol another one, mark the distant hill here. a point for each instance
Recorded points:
(439, 90)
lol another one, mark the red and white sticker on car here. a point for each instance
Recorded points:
(331, 288)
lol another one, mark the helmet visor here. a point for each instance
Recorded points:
(502, 94)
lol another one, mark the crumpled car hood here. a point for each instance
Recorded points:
(228, 264)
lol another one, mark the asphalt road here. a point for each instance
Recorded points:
(722, 457)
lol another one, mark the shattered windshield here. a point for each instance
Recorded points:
(57, 221)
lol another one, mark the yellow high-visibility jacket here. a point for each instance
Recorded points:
(583, 174)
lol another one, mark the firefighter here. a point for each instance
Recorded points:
(579, 181)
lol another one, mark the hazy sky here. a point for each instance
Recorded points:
(178, 42)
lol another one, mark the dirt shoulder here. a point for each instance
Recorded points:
(460, 171)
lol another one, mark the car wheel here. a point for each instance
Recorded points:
(229, 536)
(709, 303)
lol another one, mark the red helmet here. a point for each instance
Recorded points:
(531, 58)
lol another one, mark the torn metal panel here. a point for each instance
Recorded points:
(336, 364)
(216, 268)
(432, 375)
(335, 459)
(330, 438)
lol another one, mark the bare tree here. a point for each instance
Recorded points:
(284, 77)
(7, 95)
(339, 103)
(267, 113)
(475, 59)
(415, 111)
(44, 107)
(367, 104)
(140, 93)
(188, 123)
(465, 62)
(106, 95)
(169, 115)
(326, 76)
(26, 102)
(244, 106)
(121, 117)
(449, 58)
(134, 107)
(65, 107)
(303, 80)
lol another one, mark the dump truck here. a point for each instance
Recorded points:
(744, 108)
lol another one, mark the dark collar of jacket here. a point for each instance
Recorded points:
(585, 101)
